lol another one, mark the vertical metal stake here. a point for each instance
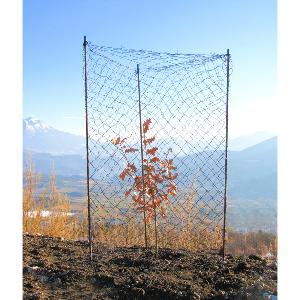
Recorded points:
(87, 152)
(142, 154)
(226, 150)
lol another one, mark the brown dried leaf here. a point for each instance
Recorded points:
(152, 151)
(146, 125)
(154, 159)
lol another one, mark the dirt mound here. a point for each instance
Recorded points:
(58, 269)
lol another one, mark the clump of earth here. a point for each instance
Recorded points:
(59, 269)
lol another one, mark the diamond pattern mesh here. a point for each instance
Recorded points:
(184, 95)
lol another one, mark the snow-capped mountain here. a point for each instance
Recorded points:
(33, 126)
(39, 137)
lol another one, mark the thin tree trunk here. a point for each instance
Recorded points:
(155, 228)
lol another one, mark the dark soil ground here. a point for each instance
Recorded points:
(58, 269)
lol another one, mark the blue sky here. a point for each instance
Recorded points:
(53, 33)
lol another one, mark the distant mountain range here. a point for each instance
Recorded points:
(39, 137)
(246, 141)
(252, 171)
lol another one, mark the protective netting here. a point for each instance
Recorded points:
(184, 95)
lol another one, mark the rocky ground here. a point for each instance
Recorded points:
(57, 269)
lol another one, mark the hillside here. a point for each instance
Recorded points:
(59, 269)
(252, 173)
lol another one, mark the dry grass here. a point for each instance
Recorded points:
(47, 211)
(246, 243)
(182, 231)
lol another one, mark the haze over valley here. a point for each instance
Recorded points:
(252, 171)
